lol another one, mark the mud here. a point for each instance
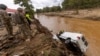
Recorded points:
(41, 44)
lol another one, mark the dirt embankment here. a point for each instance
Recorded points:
(41, 44)
(91, 14)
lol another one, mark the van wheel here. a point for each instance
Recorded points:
(68, 40)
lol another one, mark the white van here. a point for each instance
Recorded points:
(75, 38)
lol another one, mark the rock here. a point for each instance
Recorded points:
(3, 54)
(27, 40)
(20, 54)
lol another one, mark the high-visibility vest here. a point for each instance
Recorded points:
(28, 16)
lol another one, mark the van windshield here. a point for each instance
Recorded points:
(85, 42)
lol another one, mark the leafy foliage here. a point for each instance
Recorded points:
(81, 4)
(49, 9)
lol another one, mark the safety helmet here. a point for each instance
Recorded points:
(3, 6)
(26, 11)
(19, 9)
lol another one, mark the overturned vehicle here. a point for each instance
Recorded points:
(75, 42)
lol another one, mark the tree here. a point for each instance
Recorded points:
(39, 10)
(71, 4)
(27, 4)
(65, 4)
(81, 4)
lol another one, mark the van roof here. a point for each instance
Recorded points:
(72, 35)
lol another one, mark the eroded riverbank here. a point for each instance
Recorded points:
(90, 14)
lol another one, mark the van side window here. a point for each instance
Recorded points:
(83, 38)
(86, 43)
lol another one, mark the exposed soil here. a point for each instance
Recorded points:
(41, 44)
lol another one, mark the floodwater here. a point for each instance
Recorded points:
(91, 29)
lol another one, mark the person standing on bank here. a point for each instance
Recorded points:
(29, 19)
(6, 20)
(22, 23)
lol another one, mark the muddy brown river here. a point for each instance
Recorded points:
(91, 29)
